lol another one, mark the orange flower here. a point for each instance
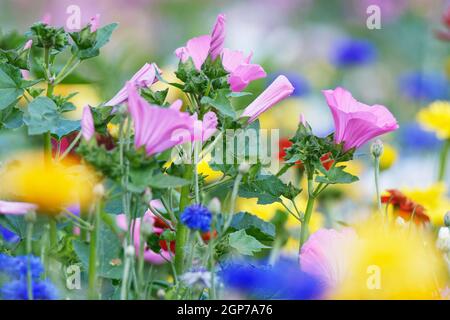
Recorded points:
(405, 207)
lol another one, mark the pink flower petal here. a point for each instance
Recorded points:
(87, 124)
(198, 49)
(244, 74)
(16, 208)
(217, 37)
(278, 90)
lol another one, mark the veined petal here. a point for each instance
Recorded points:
(278, 90)
(198, 49)
(244, 74)
(87, 124)
(217, 37)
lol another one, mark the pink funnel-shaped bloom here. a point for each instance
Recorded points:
(326, 255)
(28, 45)
(242, 72)
(196, 48)
(87, 124)
(218, 37)
(16, 208)
(278, 90)
(159, 129)
(95, 23)
(355, 122)
(145, 77)
(149, 255)
(200, 47)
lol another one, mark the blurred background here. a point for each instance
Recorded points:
(317, 44)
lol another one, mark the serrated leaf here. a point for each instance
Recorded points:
(41, 116)
(10, 85)
(245, 244)
(336, 175)
(221, 103)
(65, 126)
(268, 189)
(253, 225)
(102, 38)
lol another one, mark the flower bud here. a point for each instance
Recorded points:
(130, 252)
(99, 190)
(443, 241)
(146, 229)
(376, 148)
(215, 206)
(400, 222)
(161, 294)
(244, 167)
(30, 216)
(447, 219)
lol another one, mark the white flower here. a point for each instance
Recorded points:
(443, 241)
(197, 277)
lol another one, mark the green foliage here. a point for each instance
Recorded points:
(253, 226)
(10, 85)
(244, 244)
(336, 175)
(87, 44)
(49, 37)
(267, 189)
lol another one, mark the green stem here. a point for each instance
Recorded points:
(93, 242)
(181, 228)
(443, 160)
(28, 249)
(53, 233)
(308, 212)
(126, 272)
(234, 194)
(377, 182)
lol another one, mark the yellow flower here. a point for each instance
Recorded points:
(51, 186)
(388, 157)
(434, 200)
(392, 264)
(436, 118)
(113, 130)
(204, 169)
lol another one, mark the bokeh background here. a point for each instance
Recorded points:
(317, 44)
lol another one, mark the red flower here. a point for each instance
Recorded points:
(284, 144)
(405, 207)
(327, 161)
(444, 35)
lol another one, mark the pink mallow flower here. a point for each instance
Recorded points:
(159, 129)
(149, 255)
(16, 208)
(278, 90)
(242, 72)
(326, 255)
(87, 124)
(355, 122)
(28, 44)
(200, 47)
(95, 23)
(145, 77)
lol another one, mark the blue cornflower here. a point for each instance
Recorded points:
(353, 52)
(197, 217)
(300, 84)
(413, 137)
(17, 267)
(17, 290)
(284, 280)
(8, 235)
(424, 87)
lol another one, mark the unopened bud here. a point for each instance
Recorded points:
(244, 167)
(447, 219)
(99, 190)
(377, 148)
(443, 241)
(146, 229)
(215, 206)
(28, 45)
(148, 196)
(30, 216)
(161, 294)
(400, 222)
(130, 252)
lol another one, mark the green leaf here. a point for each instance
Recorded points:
(163, 181)
(41, 116)
(10, 85)
(221, 102)
(336, 175)
(102, 37)
(267, 189)
(109, 253)
(244, 244)
(253, 225)
(14, 119)
(65, 126)
(142, 178)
